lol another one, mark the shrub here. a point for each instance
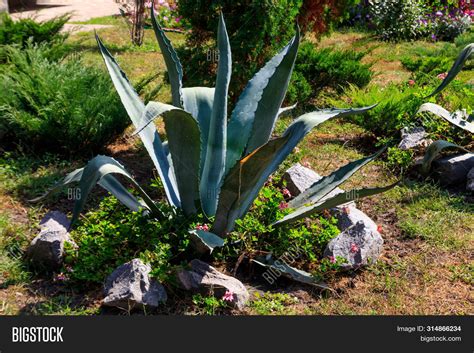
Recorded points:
(257, 30)
(398, 20)
(449, 26)
(64, 107)
(448, 19)
(318, 15)
(414, 19)
(316, 69)
(23, 30)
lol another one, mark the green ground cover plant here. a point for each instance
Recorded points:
(27, 30)
(55, 105)
(318, 69)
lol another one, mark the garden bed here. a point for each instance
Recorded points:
(426, 265)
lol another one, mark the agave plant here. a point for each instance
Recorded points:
(210, 163)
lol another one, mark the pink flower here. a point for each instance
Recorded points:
(283, 205)
(379, 228)
(439, 13)
(354, 248)
(148, 4)
(203, 227)
(177, 19)
(442, 76)
(165, 18)
(411, 82)
(286, 192)
(332, 259)
(228, 296)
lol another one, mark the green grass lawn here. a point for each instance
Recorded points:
(426, 266)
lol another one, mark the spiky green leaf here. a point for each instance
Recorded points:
(255, 113)
(199, 101)
(281, 267)
(433, 151)
(206, 241)
(184, 145)
(337, 200)
(107, 182)
(324, 186)
(214, 163)
(173, 65)
(246, 178)
(137, 113)
(97, 168)
(455, 118)
(456, 68)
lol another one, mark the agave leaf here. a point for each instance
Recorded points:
(456, 68)
(130, 99)
(173, 65)
(214, 163)
(337, 200)
(324, 186)
(255, 113)
(112, 185)
(198, 101)
(456, 118)
(290, 272)
(285, 110)
(107, 182)
(97, 168)
(72, 177)
(184, 145)
(245, 179)
(137, 112)
(433, 151)
(205, 239)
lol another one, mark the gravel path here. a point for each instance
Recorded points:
(81, 10)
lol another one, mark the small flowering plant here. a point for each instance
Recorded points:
(166, 11)
(228, 296)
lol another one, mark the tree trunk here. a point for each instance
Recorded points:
(137, 22)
